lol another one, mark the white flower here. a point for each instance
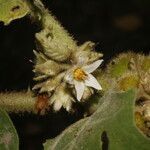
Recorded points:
(61, 98)
(80, 76)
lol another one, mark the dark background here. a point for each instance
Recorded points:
(114, 25)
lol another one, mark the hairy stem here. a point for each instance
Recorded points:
(18, 101)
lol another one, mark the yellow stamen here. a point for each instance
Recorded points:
(79, 74)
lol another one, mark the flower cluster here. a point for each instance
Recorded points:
(70, 81)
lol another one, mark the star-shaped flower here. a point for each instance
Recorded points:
(80, 76)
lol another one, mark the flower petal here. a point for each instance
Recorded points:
(90, 68)
(80, 58)
(67, 105)
(57, 105)
(79, 86)
(69, 77)
(91, 81)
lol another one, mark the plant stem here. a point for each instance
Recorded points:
(18, 101)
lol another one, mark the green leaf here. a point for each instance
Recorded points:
(12, 9)
(110, 127)
(8, 135)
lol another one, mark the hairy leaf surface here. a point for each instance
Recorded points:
(110, 127)
(8, 135)
(12, 9)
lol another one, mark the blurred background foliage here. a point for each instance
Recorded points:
(115, 26)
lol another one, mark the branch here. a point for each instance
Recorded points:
(18, 101)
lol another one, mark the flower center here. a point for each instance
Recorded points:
(79, 74)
